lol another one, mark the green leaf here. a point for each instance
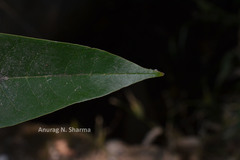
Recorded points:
(38, 76)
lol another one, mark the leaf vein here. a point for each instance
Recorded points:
(8, 98)
(29, 85)
(81, 74)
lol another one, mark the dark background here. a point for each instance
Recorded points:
(194, 42)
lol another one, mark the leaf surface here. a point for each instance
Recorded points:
(38, 76)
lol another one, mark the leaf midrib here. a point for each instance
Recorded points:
(80, 74)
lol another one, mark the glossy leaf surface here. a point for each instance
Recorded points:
(38, 76)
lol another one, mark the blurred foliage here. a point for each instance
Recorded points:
(195, 42)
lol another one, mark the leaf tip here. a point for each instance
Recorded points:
(158, 73)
